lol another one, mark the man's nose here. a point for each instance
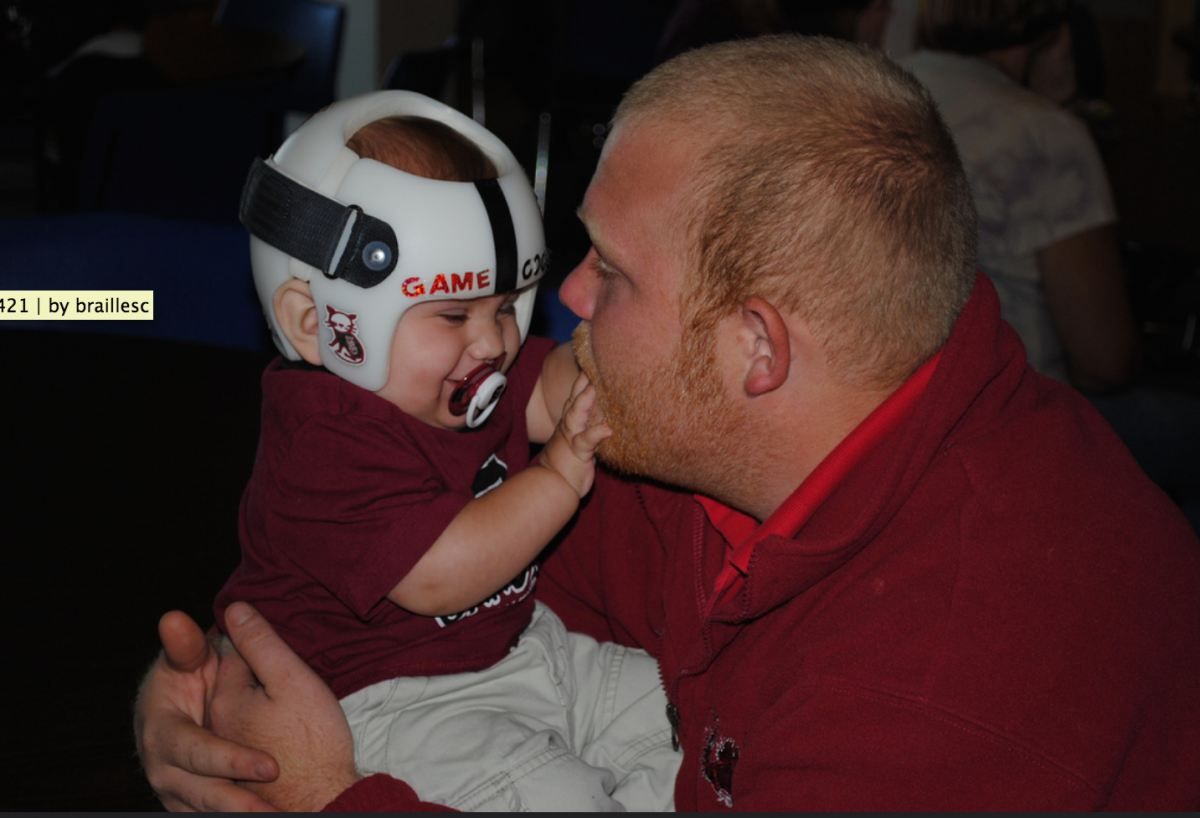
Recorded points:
(578, 290)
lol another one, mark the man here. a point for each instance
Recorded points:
(883, 564)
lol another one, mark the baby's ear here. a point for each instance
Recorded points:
(296, 313)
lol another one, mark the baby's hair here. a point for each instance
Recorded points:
(422, 147)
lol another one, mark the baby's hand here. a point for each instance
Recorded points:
(572, 448)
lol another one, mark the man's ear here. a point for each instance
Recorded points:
(767, 347)
(296, 313)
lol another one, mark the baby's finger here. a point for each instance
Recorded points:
(590, 438)
(579, 409)
(581, 383)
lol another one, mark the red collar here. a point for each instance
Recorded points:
(795, 511)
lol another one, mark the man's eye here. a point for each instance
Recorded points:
(602, 269)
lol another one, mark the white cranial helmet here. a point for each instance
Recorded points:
(372, 240)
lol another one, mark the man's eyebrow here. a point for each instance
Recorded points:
(581, 214)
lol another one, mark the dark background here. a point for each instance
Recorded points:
(125, 457)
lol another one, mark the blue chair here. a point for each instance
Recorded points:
(199, 273)
(315, 25)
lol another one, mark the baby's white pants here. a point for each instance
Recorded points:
(562, 723)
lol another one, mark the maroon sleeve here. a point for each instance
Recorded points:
(381, 793)
(359, 528)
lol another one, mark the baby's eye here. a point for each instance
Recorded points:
(508, 308)
(455, 317)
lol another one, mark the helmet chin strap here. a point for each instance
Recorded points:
(477, 394)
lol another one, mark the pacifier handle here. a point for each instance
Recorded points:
(477, 394)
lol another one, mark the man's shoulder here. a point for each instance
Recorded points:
(1037, 595)
(1050, 461)
(1036, 491)
(1056, 516)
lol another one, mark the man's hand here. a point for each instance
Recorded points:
(571, 451)
(266, 696)
(188, 767)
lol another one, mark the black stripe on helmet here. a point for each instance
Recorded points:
(504, 235)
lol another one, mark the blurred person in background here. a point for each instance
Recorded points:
(1001, 72)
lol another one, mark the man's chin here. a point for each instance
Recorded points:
(615, 453)
(632, 459)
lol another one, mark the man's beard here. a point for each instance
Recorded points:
(673, 423)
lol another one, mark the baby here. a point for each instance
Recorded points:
(390, 529)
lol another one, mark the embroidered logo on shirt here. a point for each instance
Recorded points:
(718, 761)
